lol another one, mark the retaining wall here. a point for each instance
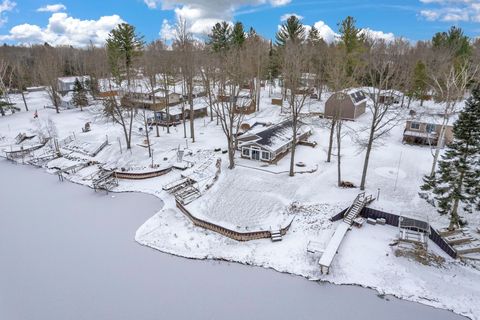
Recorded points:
(140, 176)
(239, 236)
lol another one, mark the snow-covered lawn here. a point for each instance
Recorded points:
(249, 196)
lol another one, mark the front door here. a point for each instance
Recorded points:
(255, 154)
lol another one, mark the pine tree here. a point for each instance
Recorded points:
(79, 98)
(314, 37)
(220, 37)
(419, 81)
(292, 30)
(123, 46)
(455, 41)
(238, 35)
(351, 40)
(455, 185)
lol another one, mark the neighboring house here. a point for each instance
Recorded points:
(269, 144)
(142, 97)
(346, 104)
(243, 103)
(175, 115)
(66, 84)
(426, 132)
(390, 97)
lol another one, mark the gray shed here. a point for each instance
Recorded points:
(347, 104)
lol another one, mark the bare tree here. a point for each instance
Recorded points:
(295, 70)
(185, 46)
(228, 110)
(338, 78)
(49, 69)
(381, 72)
(449, 81)
(151, 70)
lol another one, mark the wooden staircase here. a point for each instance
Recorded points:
(276, 236)
(360, 202)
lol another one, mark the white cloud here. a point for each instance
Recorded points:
(167, 32)
(451, 10)
(327, 34)
(5, 6)
(378, 35)
(52, 8)
(64, 30)
(201, 15)
(288, 15)
(152, 4)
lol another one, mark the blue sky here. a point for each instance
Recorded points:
(76, 22)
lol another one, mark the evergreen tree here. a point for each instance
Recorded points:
(351, 40)
(350, 36)
(419, 81)
(238, 35)
(292, 30)
(220, 37)
(455, 41)
(458, 173)
(123, 46)
(314, 37)
(252, 33)
(79, 98)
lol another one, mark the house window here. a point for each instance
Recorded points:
(265, 155)
(415, 125)
(430, 128)
(246, 152)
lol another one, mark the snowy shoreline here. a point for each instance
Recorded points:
(126, 187)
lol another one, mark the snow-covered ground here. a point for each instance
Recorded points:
(260, 196)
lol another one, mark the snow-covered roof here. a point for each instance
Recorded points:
(73, 78)
(272, 137)
(176, 110)
(357, 96)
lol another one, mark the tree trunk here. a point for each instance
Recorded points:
(129, 141)
(367, 158)
(339, 141)
(190, 101)
(409, 101)
(231, 154)
(294, 144)
(441, 137)
(330, 140)
(147, 134)
(24, 100)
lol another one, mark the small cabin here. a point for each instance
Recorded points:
(269, 143)
(426, 133)
(346, 105)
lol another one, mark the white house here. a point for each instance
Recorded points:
(269, 143)
(66, 84)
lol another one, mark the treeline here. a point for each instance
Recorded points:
(234, 58)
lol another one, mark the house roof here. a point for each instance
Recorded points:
(357, 96)
(72, 79)
(273, 137)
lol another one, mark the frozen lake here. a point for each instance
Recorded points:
(69, 253)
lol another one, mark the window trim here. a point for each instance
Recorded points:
(416, 123)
